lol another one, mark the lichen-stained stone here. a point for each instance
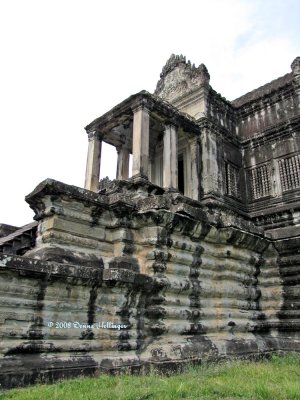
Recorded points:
(199, 262)
(148, 284)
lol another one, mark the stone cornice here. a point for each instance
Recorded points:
(50, 269)
(51, 187)
(275, 216)
(123, 112)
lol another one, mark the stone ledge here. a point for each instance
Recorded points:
(51, 187)
(29, 266)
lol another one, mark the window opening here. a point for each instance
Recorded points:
(289, 169)
(260, 182)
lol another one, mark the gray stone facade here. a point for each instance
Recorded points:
(191, 255)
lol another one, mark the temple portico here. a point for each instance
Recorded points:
(148, 129)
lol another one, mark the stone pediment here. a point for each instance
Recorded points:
(179, 77)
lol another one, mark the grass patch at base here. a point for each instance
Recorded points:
(268, 380)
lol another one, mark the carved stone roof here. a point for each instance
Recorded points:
(124, 111)
(7, 229)
(179, 77)
(263, 90)
(19, 241)
(18, 232)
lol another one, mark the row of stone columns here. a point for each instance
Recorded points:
(140, 154)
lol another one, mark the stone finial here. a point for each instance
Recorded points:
(296, 67)
(173, 62)
(204, 73)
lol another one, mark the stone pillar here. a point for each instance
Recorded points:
(170, 173)
(211, 174)
(193, 190)
(140, 142)
(92, 173)
(123, 163)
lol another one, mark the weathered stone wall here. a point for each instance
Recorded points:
(260, 114)
(137, 275)
(189, 283)
(272, 165)
(222, 112)
(249, 147)
(33, 293)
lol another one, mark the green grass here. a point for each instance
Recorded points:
(278, 379)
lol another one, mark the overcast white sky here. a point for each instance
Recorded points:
(66, 62)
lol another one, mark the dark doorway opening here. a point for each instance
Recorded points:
(180, 174)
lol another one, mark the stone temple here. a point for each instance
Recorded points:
(192, 255)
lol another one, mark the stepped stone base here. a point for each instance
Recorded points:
(128, 279)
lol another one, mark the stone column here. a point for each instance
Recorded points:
(170, 173)
(92, 173)
(193, 191)
(140, 142)
(211, 175)
(123, 163)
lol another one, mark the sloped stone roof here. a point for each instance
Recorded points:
(153, 102)
(263, 90)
